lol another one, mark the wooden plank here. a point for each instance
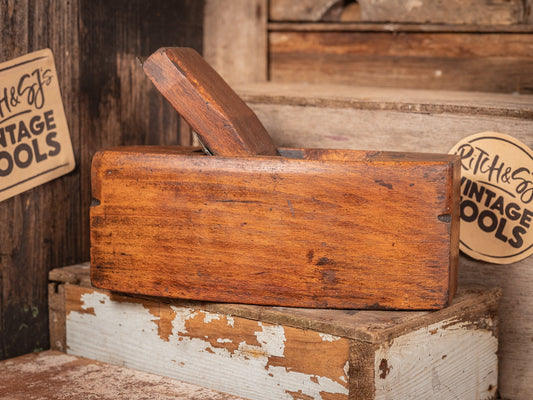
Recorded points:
(409, 101)
(409, 120)
(516, 319)
(224, 219)
(481, 12)
(395, 27)
(478, 12)
(417, 364)
(335, 116)
(235, 39)
(473, 62)
(35, 222)
(249, 358)
(263, 360)
(119, 104)
(305, 10)
(77, 274)
(56, 316)
(52, 375)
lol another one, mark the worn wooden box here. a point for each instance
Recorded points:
(260, 352)
(310, 228)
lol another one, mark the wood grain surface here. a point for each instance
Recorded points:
(316, 228)
(353, 117)
(487, 62)
(52, 375)
(108, 101)
(235, 39)
(224, 123)
(263, 352)
(479, 12)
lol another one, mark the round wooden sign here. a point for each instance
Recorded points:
(496, 197)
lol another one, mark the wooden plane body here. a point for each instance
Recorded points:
(310, 228)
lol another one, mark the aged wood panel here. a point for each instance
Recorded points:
(335, 116)
(273, 352)
(481, 12)
(37, 223)
(478, 12)
(395, 27)
(249, 358)
(516, 319)
(56, 316)
(418, 364)
(235, 39)
(474, 62)
(108, 101)
(52, 375)
(408, 120)
(119, 104)
(339, 229)
(305, 10)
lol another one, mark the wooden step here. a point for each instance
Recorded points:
(260, 352)
(54, 375)
(370, 118)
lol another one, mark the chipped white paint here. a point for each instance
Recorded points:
(208, 317)
(272, 339)
(231, 321)
(328, 338)
(423, 363)
(126, 334)
(178, 325)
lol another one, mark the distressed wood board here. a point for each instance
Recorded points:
(107, 101)
(481, 12)
(235, 39)
(360, 117)
(305, 10)
(273, 352)
(394, 27)
(487, 62)
(484, 12)
(416, 120)
(52, 375)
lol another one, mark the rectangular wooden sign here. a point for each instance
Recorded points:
(312, 228)
(35, 144)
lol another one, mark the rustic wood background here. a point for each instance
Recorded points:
(108, 101)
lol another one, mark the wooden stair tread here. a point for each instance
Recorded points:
(54, 375)
(389, 99)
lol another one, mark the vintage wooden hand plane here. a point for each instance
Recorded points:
(250, 223)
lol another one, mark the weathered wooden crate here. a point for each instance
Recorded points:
(274, 352)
